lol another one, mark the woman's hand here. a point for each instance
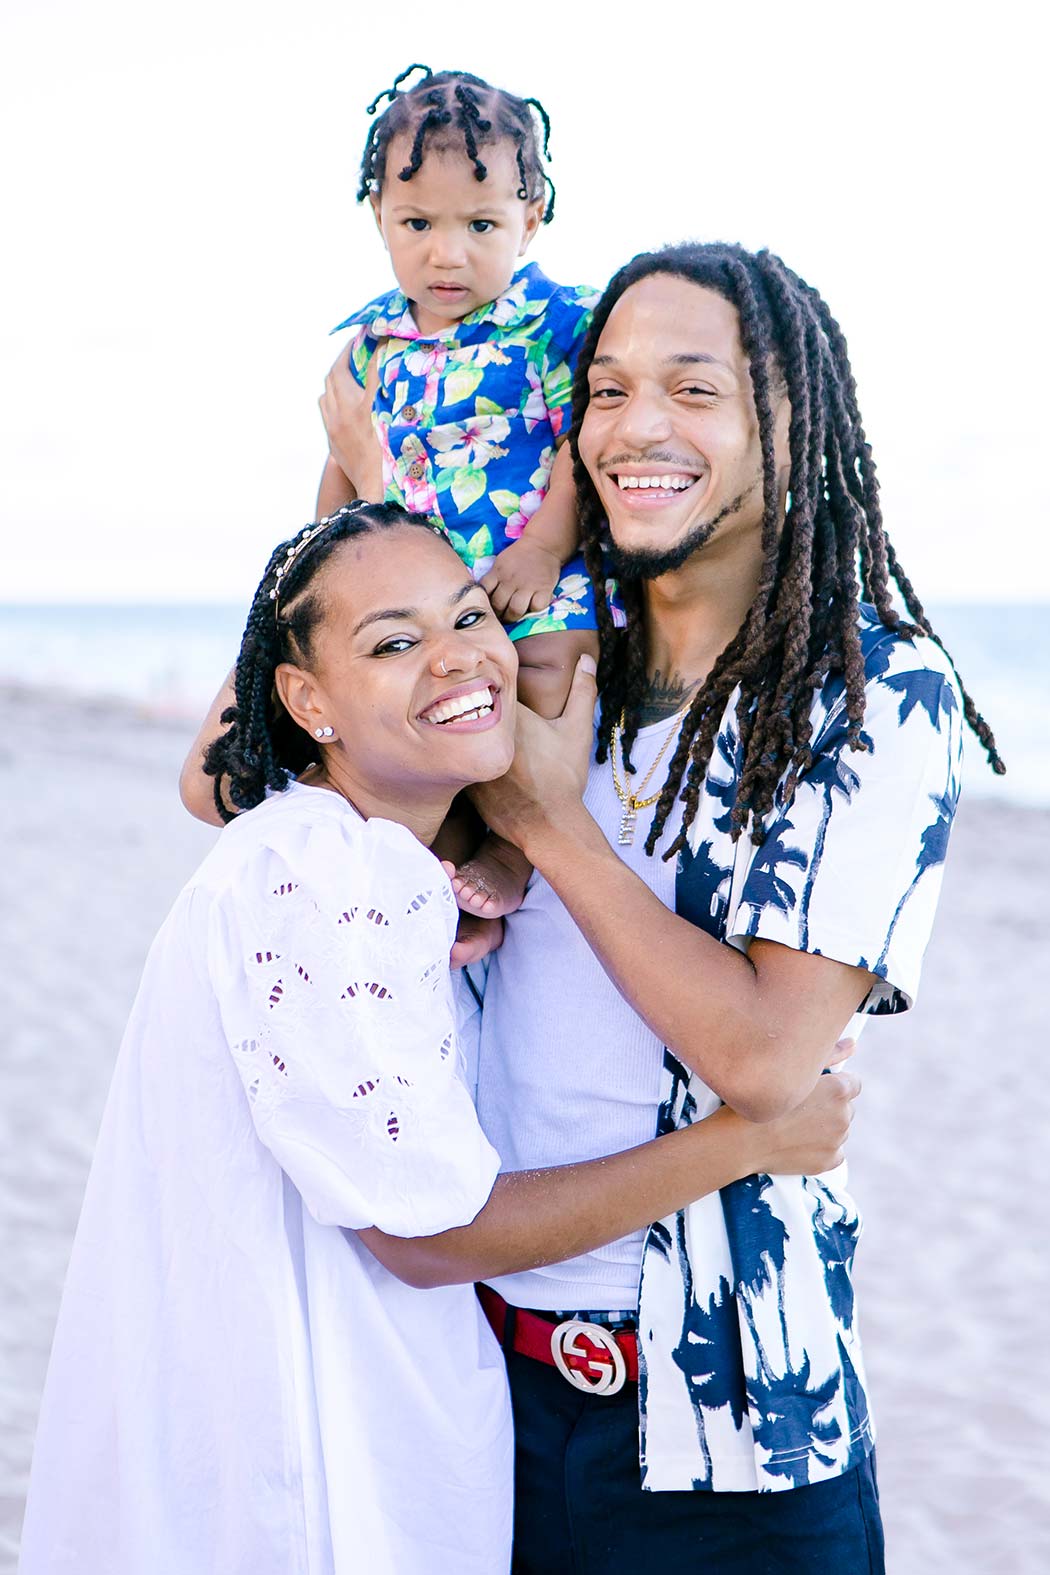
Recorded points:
(549, 773)
(810, 1138)
(346, 410)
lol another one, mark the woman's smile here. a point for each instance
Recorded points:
(470, 707)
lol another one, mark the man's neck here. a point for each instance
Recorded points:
(691, 616)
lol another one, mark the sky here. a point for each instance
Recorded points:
(181, 233)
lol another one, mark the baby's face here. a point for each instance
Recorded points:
(454, 241)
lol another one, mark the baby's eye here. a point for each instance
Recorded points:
(417, 226)
(473, 616)
(481, 226)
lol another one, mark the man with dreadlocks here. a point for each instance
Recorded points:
(665, 960)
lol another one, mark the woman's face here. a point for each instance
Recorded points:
(409, 666)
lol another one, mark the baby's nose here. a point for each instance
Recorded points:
(447, 251)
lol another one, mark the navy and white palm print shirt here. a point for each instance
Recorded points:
(751, 1369)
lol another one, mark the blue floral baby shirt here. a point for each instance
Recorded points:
(751, 1367)
(467, 419)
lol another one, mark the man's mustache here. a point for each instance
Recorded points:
(656, 456)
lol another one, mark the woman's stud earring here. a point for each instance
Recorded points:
(324, 732)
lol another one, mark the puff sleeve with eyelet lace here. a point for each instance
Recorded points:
(328, 954)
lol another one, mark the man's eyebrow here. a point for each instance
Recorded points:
(406, 614)
(683, 358)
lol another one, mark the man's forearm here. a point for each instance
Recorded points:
(696, 994)
(758, 1036)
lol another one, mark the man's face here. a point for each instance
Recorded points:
(670, 434)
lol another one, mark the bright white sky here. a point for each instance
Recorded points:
(181, 232)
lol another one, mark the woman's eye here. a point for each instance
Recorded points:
(606, 393)
(481, 226)
(395, 646)
(700, 393)
(474, 615)
(417, 226)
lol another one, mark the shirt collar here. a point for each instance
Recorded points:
(389, 316)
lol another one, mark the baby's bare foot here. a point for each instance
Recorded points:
(493, 882)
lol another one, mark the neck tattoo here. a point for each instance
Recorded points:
(664, 695)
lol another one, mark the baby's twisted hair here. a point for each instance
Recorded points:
(453, 108)
(262, 746)
(828, 554)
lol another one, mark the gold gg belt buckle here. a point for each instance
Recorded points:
(573, 1360)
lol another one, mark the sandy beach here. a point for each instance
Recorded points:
(954, 1272)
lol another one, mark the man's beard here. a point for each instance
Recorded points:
(644, 563)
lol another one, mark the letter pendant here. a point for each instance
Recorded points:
(627, 824)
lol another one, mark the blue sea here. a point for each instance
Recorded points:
(169, 660)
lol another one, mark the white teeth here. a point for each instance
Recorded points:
(661, 483)
(479, 701)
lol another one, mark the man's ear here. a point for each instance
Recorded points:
(299, 693)
(782, 446)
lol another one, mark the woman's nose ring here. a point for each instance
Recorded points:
(444, 669)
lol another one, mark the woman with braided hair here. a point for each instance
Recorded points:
(755, 858)
(270, 1357)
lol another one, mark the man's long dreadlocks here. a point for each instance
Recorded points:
(828, 554)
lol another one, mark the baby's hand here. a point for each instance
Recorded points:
(475, 938)
(522, 579)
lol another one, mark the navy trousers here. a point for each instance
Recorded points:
(579, 1508)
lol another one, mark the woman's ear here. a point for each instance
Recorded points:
(299, 693)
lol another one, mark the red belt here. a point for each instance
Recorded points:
(596, 1360)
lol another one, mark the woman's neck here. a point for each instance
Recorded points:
(422, 815)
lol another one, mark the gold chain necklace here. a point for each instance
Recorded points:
(633, 802)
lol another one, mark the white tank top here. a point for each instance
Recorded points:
(568, 1071)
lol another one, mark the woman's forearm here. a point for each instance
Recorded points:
(196, 789)
(334, 490)
(536, 1217)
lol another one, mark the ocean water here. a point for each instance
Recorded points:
(170, 660)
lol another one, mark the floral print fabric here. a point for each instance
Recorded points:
(468, 419)
(751, 1367)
